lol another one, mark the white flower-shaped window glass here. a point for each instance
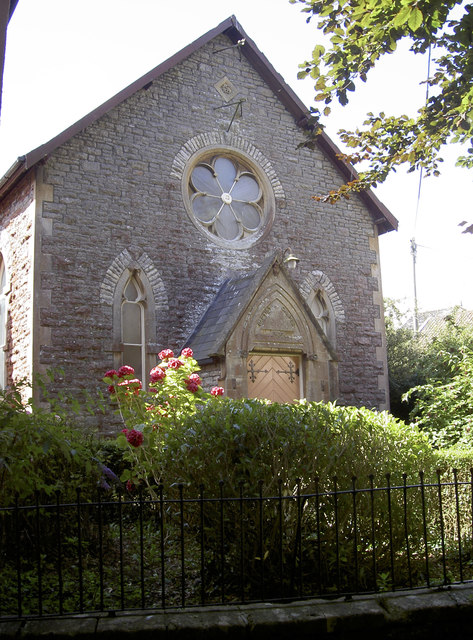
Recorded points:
(226, 198)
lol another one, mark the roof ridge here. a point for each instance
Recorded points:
(383, 218)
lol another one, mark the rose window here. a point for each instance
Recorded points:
(226, 198)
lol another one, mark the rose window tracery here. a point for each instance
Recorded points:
(226, 198)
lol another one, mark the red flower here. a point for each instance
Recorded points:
(174, 363)
(133, 385)
(157, 374)
(111, 374)
(187, 352)
(193, 382)
(135, 438)
(165, 354)
(111, 388)
(130, 486)
(217, 391)
(125, 371)
(125, 431)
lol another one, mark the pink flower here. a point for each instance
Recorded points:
(217, 391)
(111, 374)
(125, 431)
(133, 385)
(192, 382)
(165, 354)
(157, 374)
(187, 352)
(125, 371)
(135, 438)
(174, 363)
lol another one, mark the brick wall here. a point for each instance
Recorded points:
(116, 187)
(16, 246)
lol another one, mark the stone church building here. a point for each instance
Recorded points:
(173, 216)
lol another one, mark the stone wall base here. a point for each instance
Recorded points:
(429, 614)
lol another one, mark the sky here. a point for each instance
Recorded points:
(65, 57)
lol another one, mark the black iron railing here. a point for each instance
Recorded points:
(177, 547)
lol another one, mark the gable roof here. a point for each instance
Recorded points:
(383, 218)
(432, 323)
(231, 302)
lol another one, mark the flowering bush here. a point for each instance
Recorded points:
(174, 393)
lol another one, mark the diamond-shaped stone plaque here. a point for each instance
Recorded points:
(226, 89)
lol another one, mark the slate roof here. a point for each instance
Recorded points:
(431, 323)
(211, 333)
(383, 218)
(210, 336)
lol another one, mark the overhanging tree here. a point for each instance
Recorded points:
(360, 32)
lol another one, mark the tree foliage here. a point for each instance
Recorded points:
(360, 32)
(405, 359)
(431, 378)
(445, 409)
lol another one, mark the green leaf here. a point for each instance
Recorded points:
(415, 19)
(402, 16)
(318, 51)
(126, 475)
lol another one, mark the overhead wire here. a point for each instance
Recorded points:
(419, 190)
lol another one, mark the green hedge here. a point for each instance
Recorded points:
(252, 441)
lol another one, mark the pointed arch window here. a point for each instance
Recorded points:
(134, 323)
(322, 309)
(3, 322)
(133, 326)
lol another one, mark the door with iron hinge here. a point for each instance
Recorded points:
(275, 377)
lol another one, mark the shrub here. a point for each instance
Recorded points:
(250, 441)
(174, 393)
(43, 450)
(298, 449)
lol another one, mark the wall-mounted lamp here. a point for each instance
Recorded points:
(289, 259)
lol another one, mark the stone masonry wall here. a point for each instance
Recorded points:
(116, 188)
(16, 246)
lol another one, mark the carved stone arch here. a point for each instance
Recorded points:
(151, 301)
(226, 140)
(276, 322)
(125, 261)
(324, 302)
(318, 280)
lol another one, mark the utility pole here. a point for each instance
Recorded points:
(416, 308)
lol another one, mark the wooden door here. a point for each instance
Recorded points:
(275, 377)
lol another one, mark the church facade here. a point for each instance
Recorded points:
(172, 216)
